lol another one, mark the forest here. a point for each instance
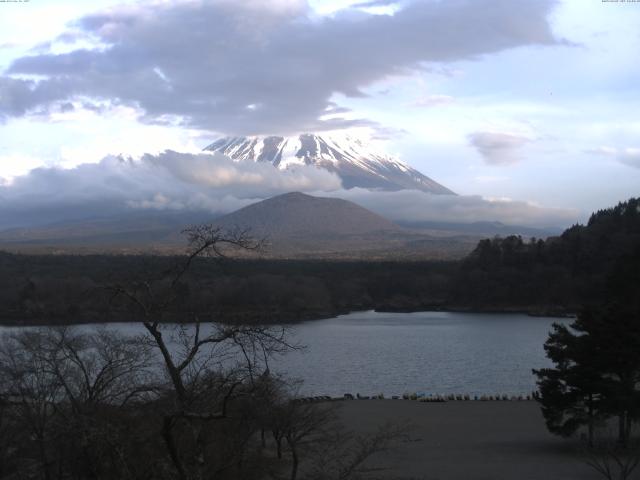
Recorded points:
(555, 276)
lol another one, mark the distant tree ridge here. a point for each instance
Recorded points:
(564, 271)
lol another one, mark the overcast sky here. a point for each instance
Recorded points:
(530, 101)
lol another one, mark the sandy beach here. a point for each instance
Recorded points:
(469, 441)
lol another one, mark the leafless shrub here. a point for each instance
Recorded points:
(64, 391)
(345, 456)
(612, 460)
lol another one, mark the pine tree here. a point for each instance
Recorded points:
(570, 393)
(596, 372)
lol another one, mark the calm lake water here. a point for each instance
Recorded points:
(431, 352)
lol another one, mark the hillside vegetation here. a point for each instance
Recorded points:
(553, 276)
(560, 272)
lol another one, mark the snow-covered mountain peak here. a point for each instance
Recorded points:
(356, 162)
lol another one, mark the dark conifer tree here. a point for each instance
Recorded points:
(570, 393)
(596, 360)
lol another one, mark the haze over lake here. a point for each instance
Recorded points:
(431, 352)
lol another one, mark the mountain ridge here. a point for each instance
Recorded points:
(297, 225)
(299, 214)
(357, 164)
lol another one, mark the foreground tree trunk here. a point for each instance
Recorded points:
(294, 460)
(169, 441)
(591, 421)
(624, 429)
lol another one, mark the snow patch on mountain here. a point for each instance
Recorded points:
(356, 162)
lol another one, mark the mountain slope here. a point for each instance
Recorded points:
(296, 225)
(357, 164)
(137, 230)
(297, 214)
(484, 229)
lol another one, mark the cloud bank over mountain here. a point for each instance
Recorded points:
(414, 206)
(214, 184)
(169, 181)
(257, 67)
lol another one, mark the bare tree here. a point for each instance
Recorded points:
(612, 460)
(32, 393)
(312, 437)
(62, 386)
(208, 366)
(305, 425)
(345, 455)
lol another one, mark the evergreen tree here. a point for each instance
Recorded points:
(596, 372)
(570, 393)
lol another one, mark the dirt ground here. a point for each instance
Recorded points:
(468, 441)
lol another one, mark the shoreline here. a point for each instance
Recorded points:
(241, 317)
(550, 312)
(421, 398)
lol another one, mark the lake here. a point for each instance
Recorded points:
(431, 352)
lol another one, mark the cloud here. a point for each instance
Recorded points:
(204, 64)
(627, 156)
(433, 101)
(168, 181)
(211, 183)
(609, 151)
(498, 148)
(416, 206)
(14, 164)
(631, 157)
(374, 3)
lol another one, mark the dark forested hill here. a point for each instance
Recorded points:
(560, 272)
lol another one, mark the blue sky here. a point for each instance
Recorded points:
(534, 101)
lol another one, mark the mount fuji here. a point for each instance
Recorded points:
(356, 163)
